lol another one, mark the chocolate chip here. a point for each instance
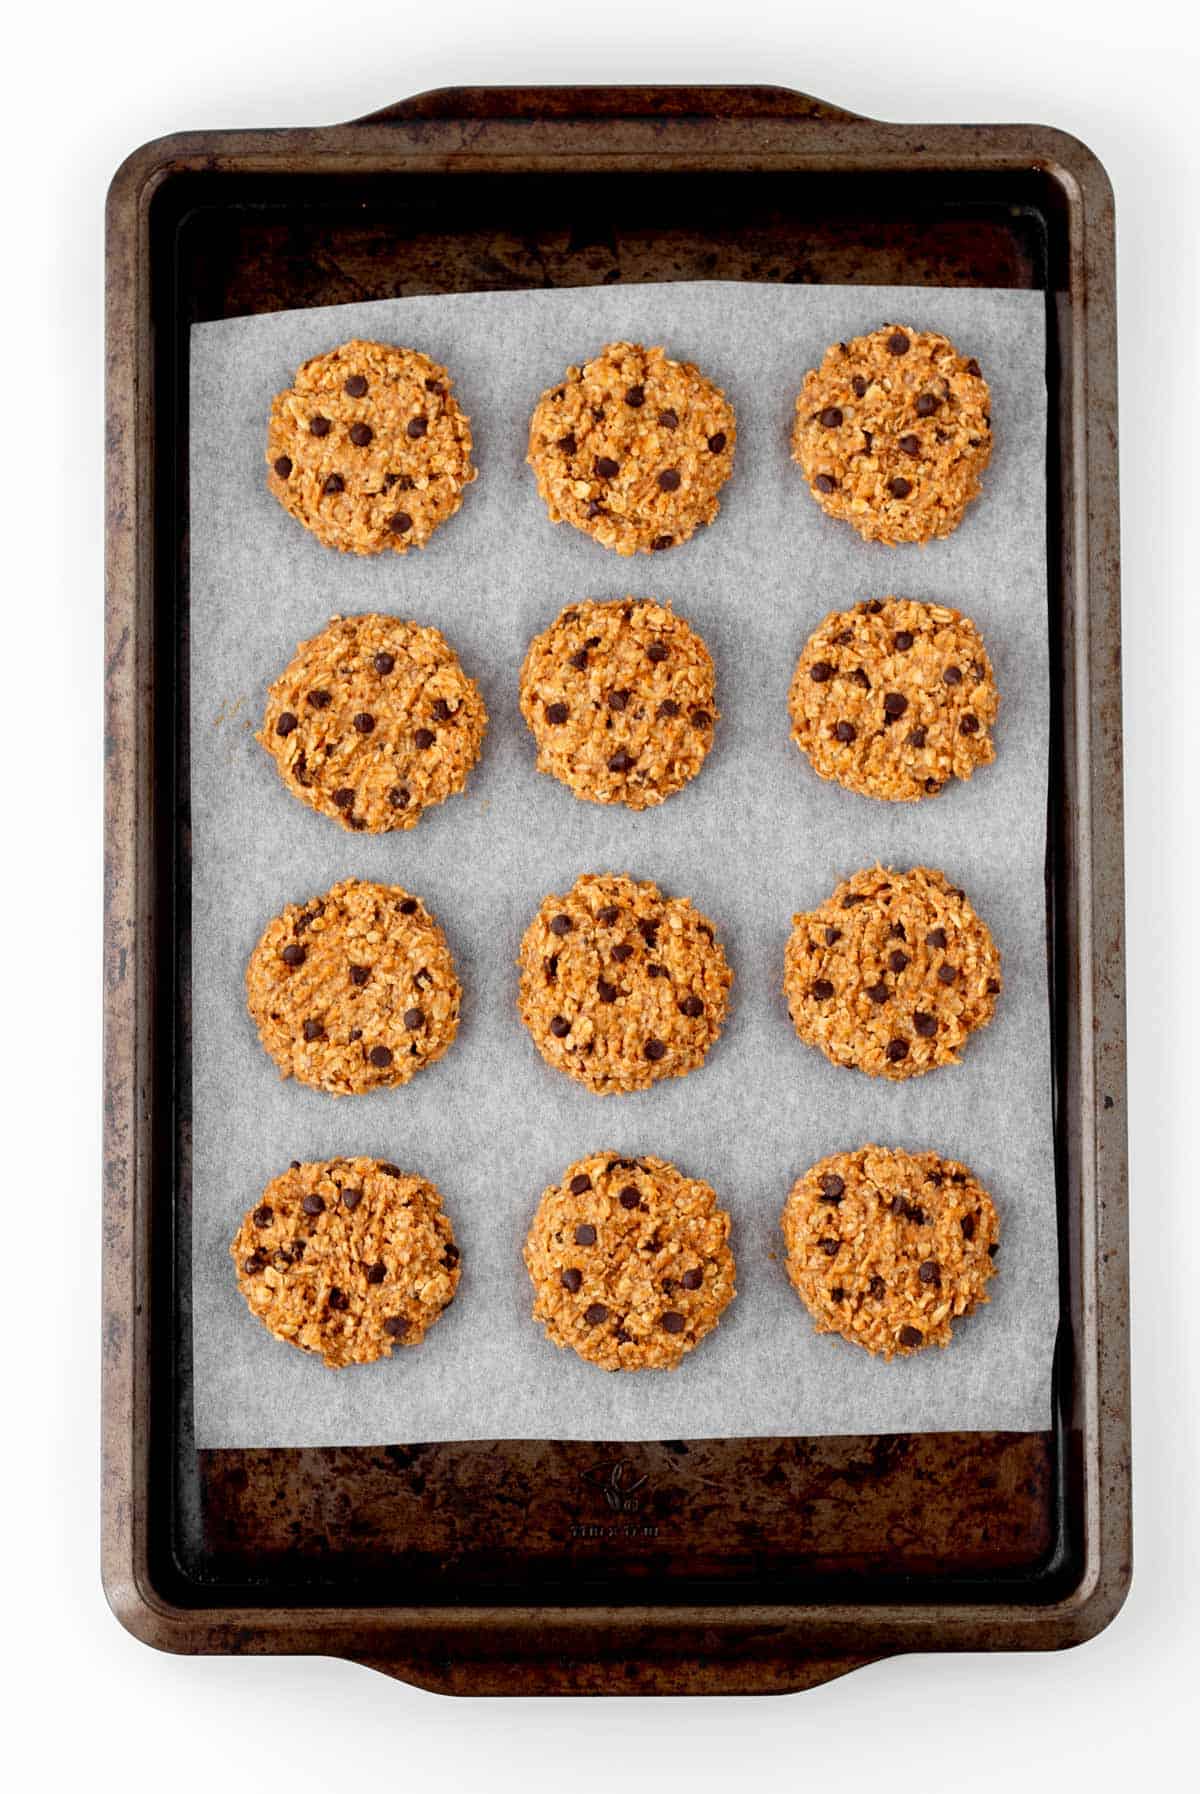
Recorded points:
(561, 924)
(606, 467)
(648, 931)
(859, 678)
(899, 487)
(916, 737)
(952, 676)
(909, 1336)
(572, 1279)
(896, 1050)
(701, 719)
(967, 1224)
(829, 1247)
(414, 1018)
(993, 987)
(585, 1233)
(925, 1024)
(556, 713)
(927, 404)
(254, 1264)
(283, 466)
(636, 397)
(578, 660)
(560, 1027)
(825, 482)
(617, 700)
(319, 426)
(974, 368)
(384, 662)
(293, 955)
(403, 480)
(263, 1215)
(830, 418)
(361, 434)
(878, 993)
(896, 931)
(400, 524)
(668, 707)
(897, 960)
(669, 479)
(833, 1187)
(845, 731)
(929, 1272)
(910, 445)
(661, 542)
(287, 722)
(395, 1327)
(853, 897)
(820, 671)
(672, 1322)
(334, 484)
(364, 722)
(620, 761)
(657, 652)
(822, 990)
(877, 1287)
(423, 738)
(388, 1169)
(692, 1279)
(669, 419)
(417, 427)
(355, 1034)
(629, 1197)
(579, 1183)
(351, 1199)
(622, 952)
(595, 1314)
(832, 935)
(898, 343)
(608, 915)
(343, 797)
(936, 938)
(313, 1204)
(654, 1050)
(313, 1030)
(717, 442)
(568, 444)
(947, 974)
(380, 1056)
(692, 1006)
(338, 1299)
(859, 387)
(894, 704)
(377, 1272)
(607, 992)
(656, 971)
(969, 725)
(356, 386)
(399, 797)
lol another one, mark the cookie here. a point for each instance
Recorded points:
(368, 448)
(355, 990)
(347, 1258)
(619, 697)
(893, 432)
(633, 449)
(621, 986)
(894, 699)
(374, 722)
(630, 1262)
(890, 1248)
(891, 973)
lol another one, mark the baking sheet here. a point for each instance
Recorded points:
(755, 837)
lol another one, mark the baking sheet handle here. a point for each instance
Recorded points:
(560, 103)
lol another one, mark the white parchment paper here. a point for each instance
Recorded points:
(754, 838)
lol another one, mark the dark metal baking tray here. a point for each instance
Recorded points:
(510, 1567)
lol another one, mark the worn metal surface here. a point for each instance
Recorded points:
(720, 1566)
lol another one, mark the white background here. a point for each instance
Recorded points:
(87, 1704)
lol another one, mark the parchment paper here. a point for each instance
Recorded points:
(754, 838)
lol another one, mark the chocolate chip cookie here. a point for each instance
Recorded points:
(355, 990)
(347, 1258)
(893, 432)
(891, 973)
(890, 1248)
(630, 1262)
(373, 722)
(894, 699)
(633, 449)
(621, 986)
(619, 697)
(368, 448)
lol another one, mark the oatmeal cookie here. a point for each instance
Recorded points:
(621, 986)
(374, 722)
(355, 990)
(894, 699)
(347, 1258)
(891, 973)
(893, 431)
(890, 1248)
(368, 448)
(633, 449)
(630, 1262)
(619, 697)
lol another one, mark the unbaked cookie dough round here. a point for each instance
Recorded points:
(347, 1258)
(890, 1248)
(368, 448)
(373, 722)
(630, 1262)
(621, 986)
(633, 448)
(891, 973)
(355, 990)
(894, 698)
(893, 432)
(620, 698)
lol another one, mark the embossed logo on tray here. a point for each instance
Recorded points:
(618, 1483)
